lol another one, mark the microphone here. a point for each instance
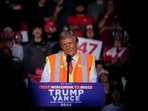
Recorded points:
(68, 59)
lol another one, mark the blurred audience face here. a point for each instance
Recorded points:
(7, 33)
(37, 32)
(89, 33)
(9, 43)
(118, 35)
(79, 9)
(110, 6)
(99, 67)
(116, 96)
(103, 77)
(6, 52)
(18, 38)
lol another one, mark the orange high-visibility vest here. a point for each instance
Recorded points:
(81, 69)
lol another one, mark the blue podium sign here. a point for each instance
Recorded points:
(67, 94)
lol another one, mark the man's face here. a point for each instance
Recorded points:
(69, 45)
(37, 32)
(80, 9)
(8, 34)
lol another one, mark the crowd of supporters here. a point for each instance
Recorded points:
(29, 32)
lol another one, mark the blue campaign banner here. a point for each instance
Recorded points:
(67, 94)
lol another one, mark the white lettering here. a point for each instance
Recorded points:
(80, 92)
(51, 91)
(66, 98)
(66, 95)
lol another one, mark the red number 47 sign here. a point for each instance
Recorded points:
(90, 46)
(115, 52)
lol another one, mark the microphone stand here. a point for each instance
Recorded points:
(67, 71)
(68, 59)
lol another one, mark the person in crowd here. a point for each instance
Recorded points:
(14, 13)
(99, 67)
(104, 77)
(120, 34)
(107, 22)
(90, 32)
(7, 32)
(78, 20)
(51, 35)
(18, 38)
(57, 66)
(35, 52)
(117, 57)
(59, 10)
(96, 8)
(37, 13)
(117, 102)
(11, 69)
(8, 38)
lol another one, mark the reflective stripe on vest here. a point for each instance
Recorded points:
(57, 67)
(84, 67)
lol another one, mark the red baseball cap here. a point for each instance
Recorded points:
(49, 24)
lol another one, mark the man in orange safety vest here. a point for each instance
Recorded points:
(56, 68)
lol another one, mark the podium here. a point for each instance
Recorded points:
(59, 94)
